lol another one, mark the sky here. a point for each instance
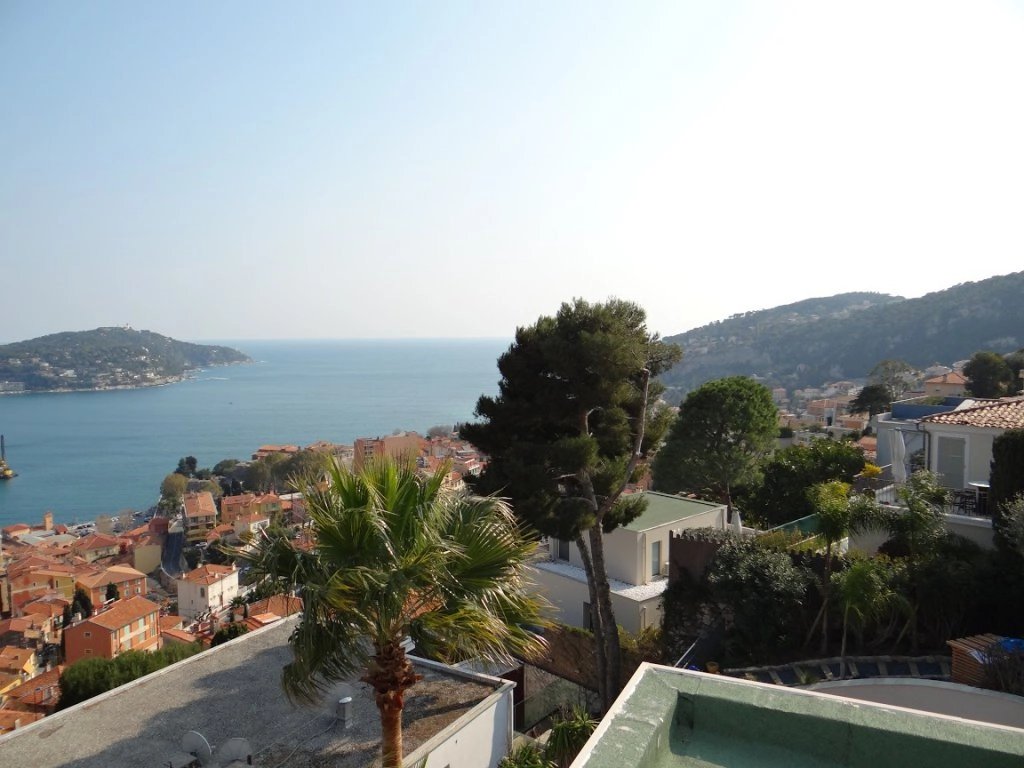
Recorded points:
(254, 170)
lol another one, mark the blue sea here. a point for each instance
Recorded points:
(85, 454)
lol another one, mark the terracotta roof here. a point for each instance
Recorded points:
(41, 690)
(179, 634)
(15, 658)
(18, 624)
(11, 530)
(115, 574)
(124, 612)
(200, 505)
(280, 605)
(947, 378)
(96, 541)
(171, 621)
(51, 606)
(1007, 413)
(209, 574)
(10, 718)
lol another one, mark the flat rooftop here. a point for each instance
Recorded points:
(234, 690)
(672, 718)
(664, 508)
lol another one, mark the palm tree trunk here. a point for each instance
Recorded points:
(391, 674)
(390, 731)
(825, 595)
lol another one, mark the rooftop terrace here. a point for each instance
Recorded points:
(234, 690)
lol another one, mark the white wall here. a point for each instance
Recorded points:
(568, 595)
(978, 530)
(478, 739)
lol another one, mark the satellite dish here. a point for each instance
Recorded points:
(234, 750)
(196, 744)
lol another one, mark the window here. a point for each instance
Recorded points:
(88, 651)
(87, 634)
(202, 592)
(563, 549)
(656, 558)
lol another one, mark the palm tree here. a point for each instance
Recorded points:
(839, 515)
(397, 555)
(862, 593)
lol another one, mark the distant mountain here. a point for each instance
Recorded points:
(844, 336)
(106, 358)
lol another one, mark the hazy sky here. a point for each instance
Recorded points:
(439, 169)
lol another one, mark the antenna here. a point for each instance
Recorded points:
(196, 744)
(232, 750)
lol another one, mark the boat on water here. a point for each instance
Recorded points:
(6, 473)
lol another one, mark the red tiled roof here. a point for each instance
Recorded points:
(115, 574)
(41, 690)
(51, 606)
(209, 574)
(200, 505)
(280, 605)
(124, 612)
(947, 378)
(96, 541)
(10, 718)
(15, 658)
(1007, 413)
(179, 634)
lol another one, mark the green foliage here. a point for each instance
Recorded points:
(1007, 476)
(780, 495)
(988, 375)
(716, 535)
(722, 431)
(525, 756)
(891, 375)
(764, 592)
(1011, 525)
(112, 593)
(81, 603)
(399, 556)
(187, 466)
(568, 735)
(91, 677)
(229, 632)
(570, 427)
(918, 529)
(224, 467)
(172, 489)
(872, 399)
(571, 391)
(193, 557)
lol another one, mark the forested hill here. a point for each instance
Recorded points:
(843, 337)
(104, 358)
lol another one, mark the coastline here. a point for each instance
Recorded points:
(162, 382)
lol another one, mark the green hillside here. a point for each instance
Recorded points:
(103, 359)
(843, 337)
